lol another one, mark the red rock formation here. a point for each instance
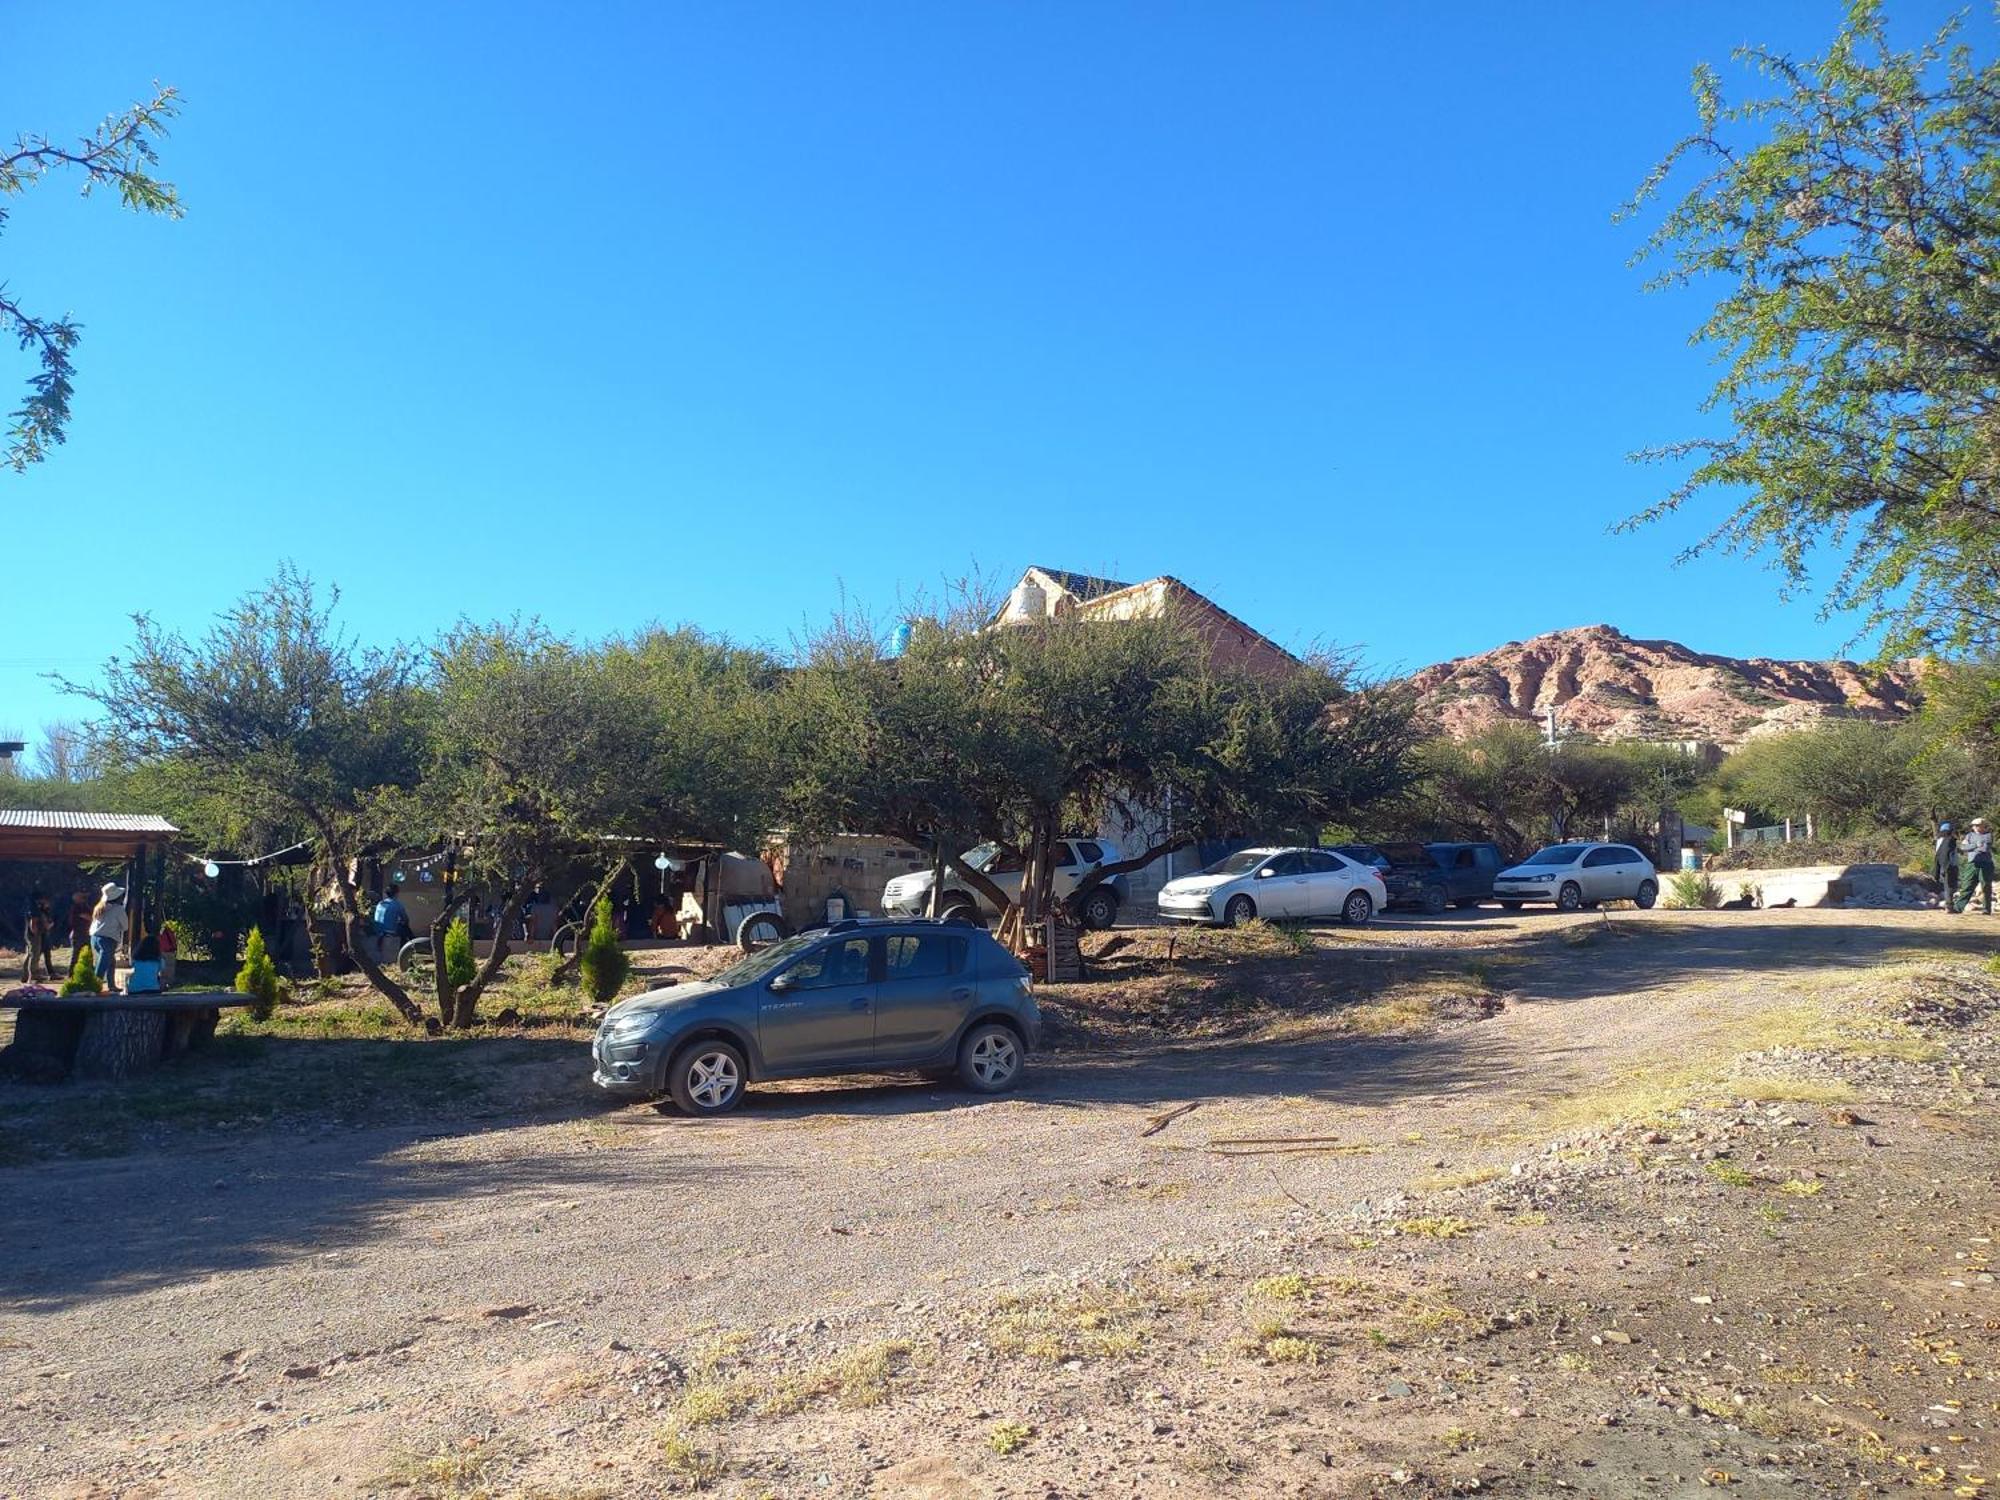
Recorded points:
(1609, 686)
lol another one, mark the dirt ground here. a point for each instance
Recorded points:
(1640, 1204)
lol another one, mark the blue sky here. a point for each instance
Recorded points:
(614, 313)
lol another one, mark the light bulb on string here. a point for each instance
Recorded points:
(211, 869)
(661, 861)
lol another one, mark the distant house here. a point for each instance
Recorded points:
(1054, 591)
(1043, 592)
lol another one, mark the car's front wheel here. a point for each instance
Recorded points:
(706, 1078)
(1358, 908)
(1100, 909)
(1240, 909)
(989, 1059)
(1649, 892)
(1570, 897)
(1435, 900)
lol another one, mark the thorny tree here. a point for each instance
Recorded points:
(117, 155)
(279, 714)
(1852, 218)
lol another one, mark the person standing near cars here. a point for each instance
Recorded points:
(1944, 862)
(1977, 847)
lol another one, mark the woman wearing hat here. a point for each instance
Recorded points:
(107, 931)
(1977, 847)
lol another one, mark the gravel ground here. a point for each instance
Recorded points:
(867, 1287)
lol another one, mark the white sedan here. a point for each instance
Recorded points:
(1579, 875)
(1278, 885)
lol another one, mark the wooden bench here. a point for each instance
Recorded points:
(110, 1036)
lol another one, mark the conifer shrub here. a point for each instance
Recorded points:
(258, 977)
(603, 963)
(459, 967)
(83, 978)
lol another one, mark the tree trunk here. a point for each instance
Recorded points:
(440, 980)
(358, 946)
(1074, 901)
(467, 1010)
(118, 1043)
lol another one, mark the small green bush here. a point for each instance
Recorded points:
(1693, 890)
(458, 965)
(258, 977)
(603, 963)
(83, 978)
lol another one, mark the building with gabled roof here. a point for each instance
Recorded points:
(1043, 592)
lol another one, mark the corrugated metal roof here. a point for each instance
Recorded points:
(85, 822)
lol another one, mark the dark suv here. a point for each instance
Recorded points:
(855, 997)
(1433, 876)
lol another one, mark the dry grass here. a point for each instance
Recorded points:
(687, 1463)
(1008, 1437)
(1439, 1227)
(1083, 1323)
(1288, 1287)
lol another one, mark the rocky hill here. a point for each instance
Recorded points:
(1612, 687)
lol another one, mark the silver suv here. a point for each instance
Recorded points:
(856, 997)
(1576, 875)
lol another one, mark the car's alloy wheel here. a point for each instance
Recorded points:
(1100, 909)
(1434, 900)
(1239, 910)
(989, 1059)
(1358, 910)
(1570, 897)
(1649, 892)
(707, 1078)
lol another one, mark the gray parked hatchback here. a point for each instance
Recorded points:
(856, 997)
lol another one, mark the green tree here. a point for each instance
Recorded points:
(458, 963)
(1021, 732)
(118, 155)
(83, 978)
(603, 963)
(543, 754)
(1853, 776)
(258, 977)
(1851, 217)
(277, 720)
(1504, 783)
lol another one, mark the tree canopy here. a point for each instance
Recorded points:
(119, 155)
(1850, 216)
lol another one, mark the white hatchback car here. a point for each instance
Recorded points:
(1578, 875)
(1278, 885)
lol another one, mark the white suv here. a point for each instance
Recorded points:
(1075, 858)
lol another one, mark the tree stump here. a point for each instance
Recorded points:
(44, 1045)
(117, 1043)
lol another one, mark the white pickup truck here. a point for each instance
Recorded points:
(1075, 858)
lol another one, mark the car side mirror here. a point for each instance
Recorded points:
(1266, 873)
(781, 982)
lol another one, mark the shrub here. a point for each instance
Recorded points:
(603, 963)
(190, 944)
(83, 978)
(258, 977)
(458, 965)
(1693, 890)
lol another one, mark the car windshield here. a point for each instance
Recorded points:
(980, 858)
(1557, 854)
(1241, 863)
(764, 960)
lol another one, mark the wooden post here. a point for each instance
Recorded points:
(135, 900)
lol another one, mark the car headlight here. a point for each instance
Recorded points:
(630, 1024)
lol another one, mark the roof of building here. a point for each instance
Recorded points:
(32, 833)
(137, 825)
(1083, 585)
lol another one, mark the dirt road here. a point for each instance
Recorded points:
(329, 1310)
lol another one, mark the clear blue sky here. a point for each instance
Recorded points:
(628, 312)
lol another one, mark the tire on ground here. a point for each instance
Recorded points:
(699, 1075)
(990, 1058)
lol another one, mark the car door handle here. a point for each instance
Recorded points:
(961, 994)
(861, 1003)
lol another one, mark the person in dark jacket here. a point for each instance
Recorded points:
(1944, 862)
(1977, 847)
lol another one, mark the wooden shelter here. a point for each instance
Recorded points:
(135, 840)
